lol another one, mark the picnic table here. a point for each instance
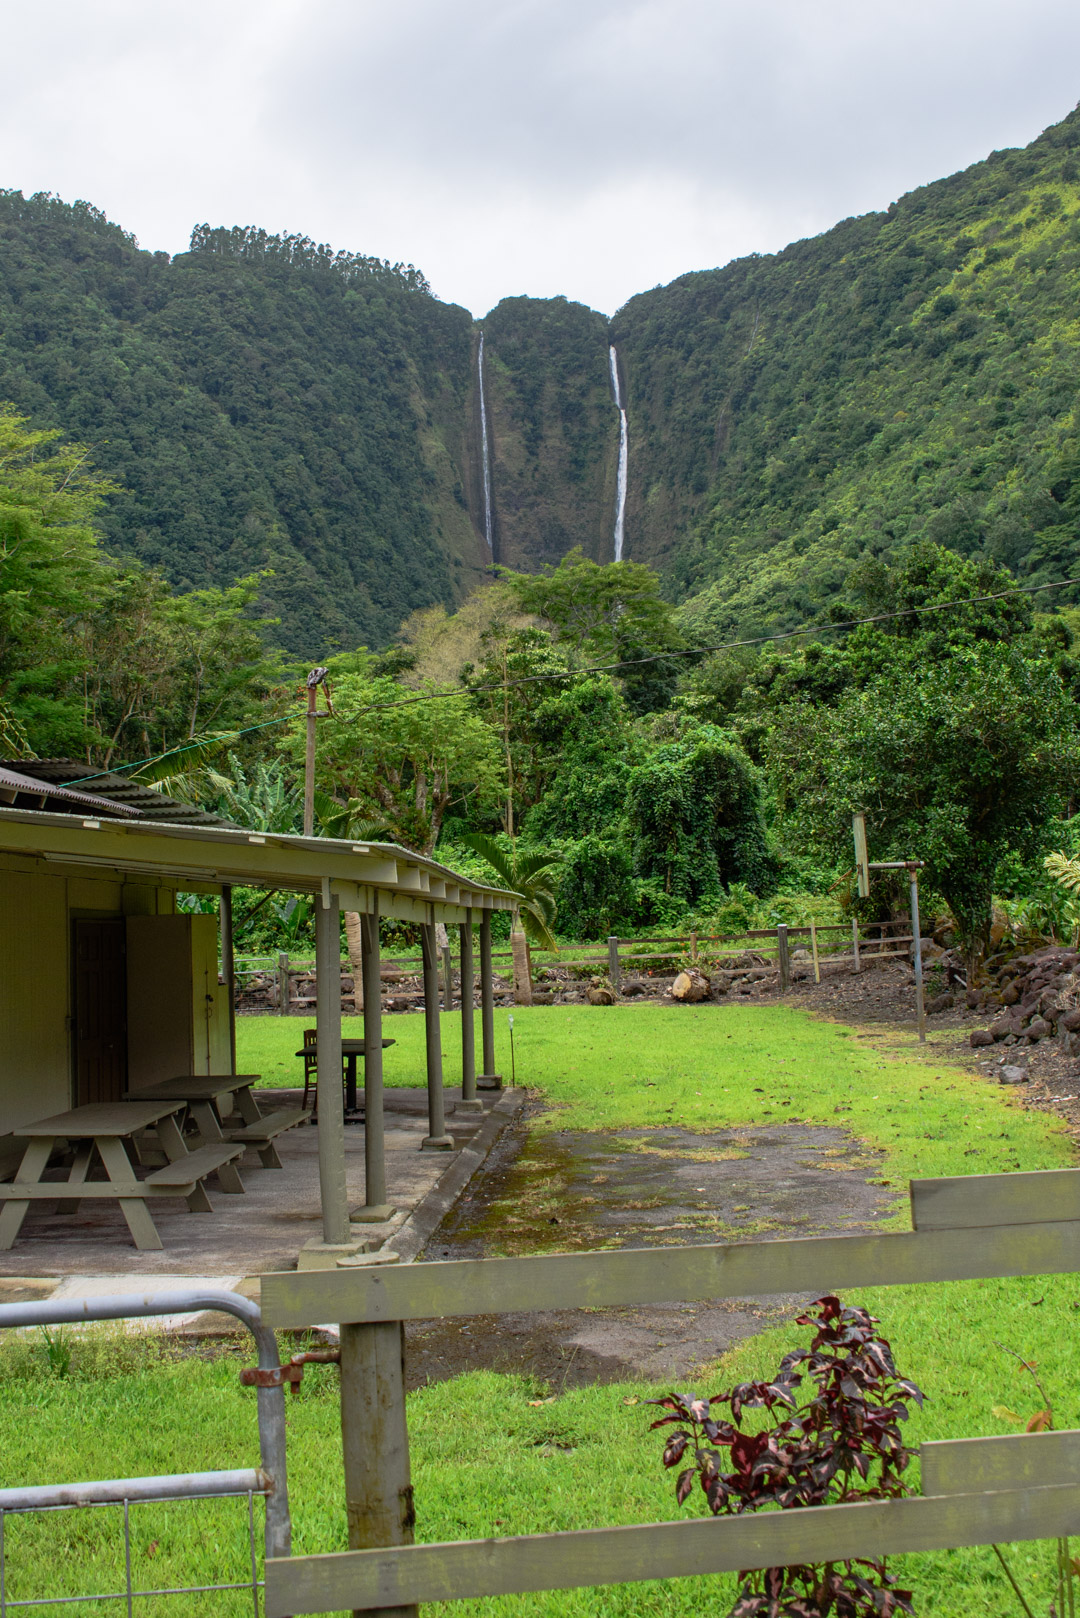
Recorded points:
(201, 1093)
(101, 1129)
(350, 1050)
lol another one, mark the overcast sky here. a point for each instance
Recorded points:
(586, 147)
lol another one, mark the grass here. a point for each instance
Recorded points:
(721, 1066)
(486, 1459)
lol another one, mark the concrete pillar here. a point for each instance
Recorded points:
(436, 1139)
(376, 1208)
(335, 1212)
(489, 1079)
(469, 1101)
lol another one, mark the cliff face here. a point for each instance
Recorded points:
(553, 431)
(266, 404)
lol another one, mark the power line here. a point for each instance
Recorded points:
(600, 668)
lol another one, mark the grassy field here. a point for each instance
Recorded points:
(486, 1457)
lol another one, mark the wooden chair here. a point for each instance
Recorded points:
(311, 1064)
(311, 1061)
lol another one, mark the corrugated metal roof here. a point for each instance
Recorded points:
(16, 784)
(115, 794)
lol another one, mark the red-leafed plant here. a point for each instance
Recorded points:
(842, 1443)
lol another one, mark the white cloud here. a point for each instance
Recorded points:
(579, 146)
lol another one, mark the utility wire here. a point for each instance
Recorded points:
(598, 668)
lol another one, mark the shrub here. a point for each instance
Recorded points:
(841, 1444)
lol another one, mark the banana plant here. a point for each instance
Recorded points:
(529, 878)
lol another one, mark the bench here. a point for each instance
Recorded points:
(184, 1177)
(262, 1134)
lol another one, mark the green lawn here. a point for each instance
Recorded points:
(485, 1459)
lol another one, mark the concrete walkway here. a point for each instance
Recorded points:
(90, 1252)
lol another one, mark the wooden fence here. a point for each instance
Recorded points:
(974, 1491)
(869, 941)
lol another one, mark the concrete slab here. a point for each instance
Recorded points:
(264, 1229)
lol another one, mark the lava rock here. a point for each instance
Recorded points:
(981, 1036)
(1037, 1029)
(1002, 1028)
(940, 1002)
(1071, 1021)
(634, 986)
(1013, 1075)
(1011, 995)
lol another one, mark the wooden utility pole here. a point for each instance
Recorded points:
(316, 678)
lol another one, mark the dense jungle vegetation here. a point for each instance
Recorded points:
(634, 780)
(263, 405)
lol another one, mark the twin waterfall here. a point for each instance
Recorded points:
(488, 523)
(620, 487)
(624, 452)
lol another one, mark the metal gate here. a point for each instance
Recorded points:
(268, 1480)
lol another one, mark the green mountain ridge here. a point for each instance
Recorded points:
(267, 404)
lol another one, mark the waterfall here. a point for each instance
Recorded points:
(488, 529)
(620, 488)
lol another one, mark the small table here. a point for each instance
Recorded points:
(350, 1050)
(103, 1128)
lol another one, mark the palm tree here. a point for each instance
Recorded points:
(528, 877)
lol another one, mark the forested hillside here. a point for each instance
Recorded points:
(910, 373)
(264, 403)
(260, 404)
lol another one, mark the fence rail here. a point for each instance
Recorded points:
(620, 953)
(975, 1491)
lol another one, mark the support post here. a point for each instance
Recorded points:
(855, 942)
(916, 933)
(783, 958)
(283, 985)
(228, 968)
(469, 1102)
(448, 977)
(375, 1443)
(337, 1238)
(489, 1079)
(693, 946)
(614, 968)
(813, 951)
(436, 1139)
(376, 1209)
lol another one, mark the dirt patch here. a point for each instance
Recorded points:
(576, 1190)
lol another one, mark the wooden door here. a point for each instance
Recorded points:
(100, 1011)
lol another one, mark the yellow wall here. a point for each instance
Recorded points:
(35, 1064)
(37, 904)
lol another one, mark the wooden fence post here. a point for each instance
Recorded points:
(375, 1443)
(813, 950)
(782, 956)
(614, 969)
(283, 985)
(855, 942)
(693, 946)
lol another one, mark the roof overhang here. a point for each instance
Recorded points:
(408, 886)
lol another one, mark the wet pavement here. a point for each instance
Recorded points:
(573, 1190)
